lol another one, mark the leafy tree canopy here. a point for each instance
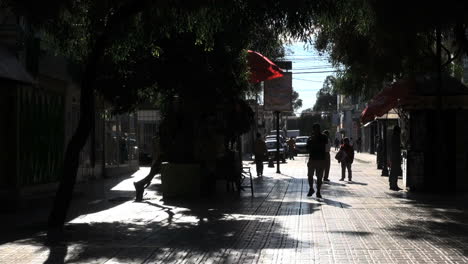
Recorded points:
(296, 101)
(326, 96)
(371, 41)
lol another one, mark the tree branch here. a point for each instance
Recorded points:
(449, 54)
(457, 54)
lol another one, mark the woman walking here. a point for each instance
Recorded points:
(346, 159)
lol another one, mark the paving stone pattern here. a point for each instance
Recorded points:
(355, 222)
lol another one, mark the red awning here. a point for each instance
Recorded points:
(261, 68)
(390, 97)
(417, 93)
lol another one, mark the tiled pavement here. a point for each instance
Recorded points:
(356, 222)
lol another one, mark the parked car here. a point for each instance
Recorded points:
(273, 137)
(271, 147)
(301, 144)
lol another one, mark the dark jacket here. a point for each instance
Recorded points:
(349, 150)
(316, 147)
(260, 149)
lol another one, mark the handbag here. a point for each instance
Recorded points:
(341, 155)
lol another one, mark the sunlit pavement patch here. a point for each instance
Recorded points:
(355, 222)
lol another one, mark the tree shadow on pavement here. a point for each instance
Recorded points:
(357, 183)
(202, 226)
(351, 233)
(438, 219)
(335, 203)
(334, 184)
(30, 223)
(210, 232)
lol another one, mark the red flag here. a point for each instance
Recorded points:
(261, 68)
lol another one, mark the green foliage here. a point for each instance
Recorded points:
(156, 51)
(373, 41)
(306, 120)
(296, 102)
(326, 96)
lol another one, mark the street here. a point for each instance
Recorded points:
(355, 222)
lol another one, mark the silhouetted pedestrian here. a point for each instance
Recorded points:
(379, 147)
(260, 152)
(327, 156)
(155, 169)
(316, 147)
(291, 148)
(347, 160)
(395, 158)
(358, 144)
(337, 144)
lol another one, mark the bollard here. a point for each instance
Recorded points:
(270, 163)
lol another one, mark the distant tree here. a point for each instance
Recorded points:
(296, 101)
(326, 96)
(306, 120)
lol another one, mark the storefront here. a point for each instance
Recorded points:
(435, 156)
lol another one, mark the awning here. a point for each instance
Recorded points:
(387, 99)
(261, 68)
(11, 68)
(419, 93)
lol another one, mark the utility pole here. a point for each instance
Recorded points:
(384, 154)
(277, 143)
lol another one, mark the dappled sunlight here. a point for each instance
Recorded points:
(124, 184)
(279, 222)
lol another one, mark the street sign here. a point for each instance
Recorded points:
(278, 94)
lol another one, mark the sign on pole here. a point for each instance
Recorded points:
(278, 94)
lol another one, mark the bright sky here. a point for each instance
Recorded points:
(309, 71)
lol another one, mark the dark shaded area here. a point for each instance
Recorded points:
(335, 203)
(352, 233)
(439, 219)
(357, 183)
(332, 183)
(211, 231)
(88, 198)
(210, 228)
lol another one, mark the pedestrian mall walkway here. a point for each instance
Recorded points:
(356, 222)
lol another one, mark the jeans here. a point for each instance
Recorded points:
(259, 165)
(317, 167)
(327, 166)
(346, 165)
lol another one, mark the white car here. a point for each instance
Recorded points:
(301, 144)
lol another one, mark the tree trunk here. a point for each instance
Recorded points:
(71, 161)
(70, 168)
(70, 165)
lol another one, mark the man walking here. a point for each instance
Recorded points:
(337, 144)
(291, 148)
(358, 144)
(316, 164)
(260, 152)
(395, 158)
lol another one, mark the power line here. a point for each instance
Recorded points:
(315, 72)
(307, 80)
(313, 67)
